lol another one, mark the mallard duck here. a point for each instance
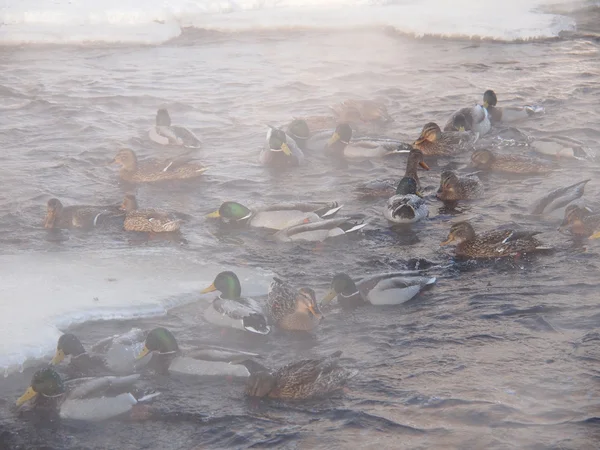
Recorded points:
(202, 361)
(486, 160)
(319, 231)
(299, 131)
(280, 150)
(506, 114)
(277, 216)
(580, 221)
(493, 244)
(387, 188)
(476, 118)
(406, 206)
(166, 134)
(87, 399)
(453, 188)
(231, 310)
(380, 289)
(291, 309)
(341, 144)
(78, 216)
(433, 142)
(563, 147)
(147, 220)
(179, 168)
(559, 198)
(365, 110)
(300, 380)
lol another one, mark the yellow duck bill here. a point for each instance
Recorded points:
(28, 395)
(333, 139)
(143, 353)
(329, 296)
(214, 215)
(286, 149)
(211, 288)
(59, 356)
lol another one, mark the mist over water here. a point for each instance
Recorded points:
(496, 356)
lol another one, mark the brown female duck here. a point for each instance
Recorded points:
(366, 110)
(291, 309)
(486, 160)
(147, 220)
(154, 171)
(493, 244)
(453, 188)
(581, 222)
(79, 216)
(433, 142)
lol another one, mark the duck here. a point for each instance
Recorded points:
(300, 380)
(365, 110)
(86, 399)
(299, 131)
(147, 220)
(341, 145)
(292, 309)
(393, 288)
(205, 361)
(152, 171)
(493, 244)
(563, 147)
(164, 133)
(507, 114)
(454, 188)
(476, 118)
(231, 310)
(319, 231)
(277, 216)
(77, 216)
(406, 206)
(433, 142)
(580, 221)
(559, 198)
(387, 188)
(280, 150)
(487, 160)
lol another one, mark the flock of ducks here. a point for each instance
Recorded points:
(115, 365)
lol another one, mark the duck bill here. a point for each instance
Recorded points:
(58, 357)
(424, 165)
(286, 149)
(333, 139)
(28, 395)
(328, 297)
(211, 288)
(461, 129)
(596, 235)
(485, 105)
(50, 219)
(143, 353)
(214, 215)
(447, 241)
(315, 311)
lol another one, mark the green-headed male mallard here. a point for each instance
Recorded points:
(454, 188)
(164, 133)
(319, 231)
(493, 244)
(341, 145)
(280, 150)
(77, 216)
(406, 206)
(147, 220)
(300, 380)
(205, 361)
(476, 118)
(559, 198)
(433, 142)
(506, 114)
(580, 221)
(486, 160)
(231, 310)
(292, 309)
(180, 168)
(277, 216)
(87, 399)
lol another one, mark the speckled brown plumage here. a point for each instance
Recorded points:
(147, 220)
(486, 160)
(433, 142)
(291, 309)
(454, 188)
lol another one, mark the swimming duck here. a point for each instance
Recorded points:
(486, 160)
(87, 399)
(299, 131)
(506, 114)
(380, 289)
(277, 216)
(453, 188)
(147, 220)
(291, 309)
(300, 380)
(78, 216)
(180, 168)
(476, 118)
(319, 231)
(231, 310)
(493, 244)
(580, 221)
(563, 147)
(202, 361)
(280, 150)
(387, 188)
(365, 110)
(341, 144)
(433, 142)
(166, 134)
(406, 206)
(559, 198)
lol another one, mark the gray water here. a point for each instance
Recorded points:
(496, 356)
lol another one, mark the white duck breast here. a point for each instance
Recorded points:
(481, 120)
(408, 208)
(392, 288)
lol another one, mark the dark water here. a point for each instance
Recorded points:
(494, 356)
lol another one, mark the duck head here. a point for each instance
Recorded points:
(68, 345)
(460, 232)
(129, 203)
(231, 211)
(489, 99)
(162, 118)
(228, 284)
(430, 133)
(126, 158)
(159, 340)
(341, 285)
(45, 382)
(340, 137)
(299, 131)
(482, 159)
(415, 157)
(448, 183)
(278, 141)
(53, 210)
(306, 303)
